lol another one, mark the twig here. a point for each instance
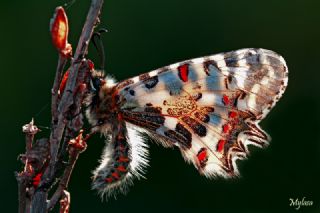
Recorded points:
(65, 202)
(24, 177)
(76, 146)
(30, 130)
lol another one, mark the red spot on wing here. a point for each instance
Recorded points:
(220, 145)
(63, 82)
(225, 100)
(183, 72)
(226, 128)
(202, 156)
(233, 114)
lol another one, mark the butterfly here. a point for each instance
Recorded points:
(209, 107)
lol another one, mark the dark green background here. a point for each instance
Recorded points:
(145, 35)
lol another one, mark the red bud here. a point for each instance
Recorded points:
(59, 29)
(63, 82)
(36, 180)
(82, 87)
(90, 64)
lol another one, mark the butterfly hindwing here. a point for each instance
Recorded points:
(209, 107)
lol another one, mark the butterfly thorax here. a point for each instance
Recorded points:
(102, 111)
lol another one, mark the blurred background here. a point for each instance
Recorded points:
(145, 35)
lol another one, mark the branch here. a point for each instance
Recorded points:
(67, 98)
(40, 173)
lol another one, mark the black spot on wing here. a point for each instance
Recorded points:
(197, 96)
(178, 138)
(150, 119)
(187, 136)
(252, 59)
(202, 117)
(156, 110)
(151, 82)
(132, 92)
(207, 64)
(197, 127)
(232, 61)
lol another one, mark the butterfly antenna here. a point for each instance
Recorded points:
(96, 37)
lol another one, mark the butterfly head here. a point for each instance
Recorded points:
(97, 80)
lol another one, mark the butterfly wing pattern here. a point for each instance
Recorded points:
(209, 107)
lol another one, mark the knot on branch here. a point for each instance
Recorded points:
(78, 143)
(30, 128)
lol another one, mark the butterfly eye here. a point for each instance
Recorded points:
(95, 84)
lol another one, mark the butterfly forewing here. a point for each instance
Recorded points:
(209, 107)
